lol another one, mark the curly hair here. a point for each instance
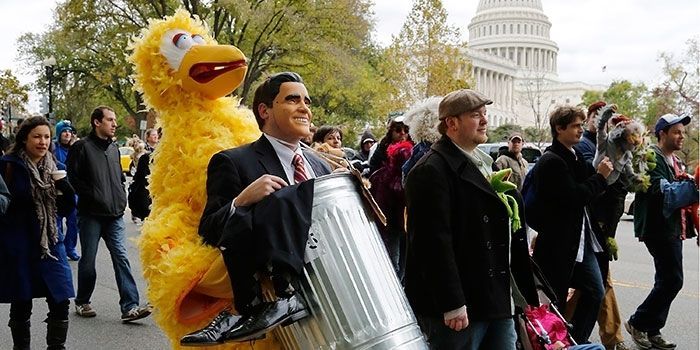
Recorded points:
(422, 120)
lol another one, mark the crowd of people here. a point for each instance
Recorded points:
(456, 229)
(45, 184)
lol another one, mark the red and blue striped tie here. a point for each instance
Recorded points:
(299, 170)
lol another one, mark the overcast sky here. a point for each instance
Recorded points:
(626, 36)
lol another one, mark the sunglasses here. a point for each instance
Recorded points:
(400, 128)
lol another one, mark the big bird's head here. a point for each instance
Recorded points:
(190, 66)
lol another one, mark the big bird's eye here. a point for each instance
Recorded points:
(198, 39)
(183, 41)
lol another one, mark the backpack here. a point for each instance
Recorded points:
(534, 212)
(532, 209)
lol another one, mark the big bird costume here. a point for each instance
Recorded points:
(184, 75)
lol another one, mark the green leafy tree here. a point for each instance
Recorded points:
(538, 136)
(426, 57)
(589, 97)
(327, 41)
(502, 132)
(629, 97)
(13, 95)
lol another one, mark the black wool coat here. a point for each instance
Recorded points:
(458, 238)
(565, 184)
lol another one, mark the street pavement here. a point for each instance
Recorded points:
(632, 274)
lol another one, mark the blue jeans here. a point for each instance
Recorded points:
(667, 252)
(588, 280)
(112, 231)
(496, 334)
(70, 239)
(395, 243)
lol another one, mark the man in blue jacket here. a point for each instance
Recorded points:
(65, 137)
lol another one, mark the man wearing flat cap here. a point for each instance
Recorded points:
(513, 159)
(662, 220)
(458, 269)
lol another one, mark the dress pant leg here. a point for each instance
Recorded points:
(242, 269)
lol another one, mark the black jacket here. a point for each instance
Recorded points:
(230, 172)
(139, 196)
(458, 238)
(565, 184)
(95, 172)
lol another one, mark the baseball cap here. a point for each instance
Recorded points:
(515, 135)
(460, 101)
(669, 119)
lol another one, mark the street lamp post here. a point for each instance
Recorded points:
(49, 63)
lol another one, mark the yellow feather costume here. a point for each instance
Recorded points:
(174, 68)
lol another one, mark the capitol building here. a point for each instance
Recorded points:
(514, 63)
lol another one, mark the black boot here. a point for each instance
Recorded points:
(56, 333)
(20, 334)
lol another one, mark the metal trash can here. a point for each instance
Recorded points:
(355, 298)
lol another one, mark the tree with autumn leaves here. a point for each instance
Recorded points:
(328, 42)
(427, 57)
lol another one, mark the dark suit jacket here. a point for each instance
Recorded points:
(458, 238)
(565, 185)
(229, 172)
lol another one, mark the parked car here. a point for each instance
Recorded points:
(530, 151)
(125, 159)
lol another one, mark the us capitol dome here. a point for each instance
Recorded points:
(514, 63)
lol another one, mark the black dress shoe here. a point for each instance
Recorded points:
(266, 316)
(212, 334)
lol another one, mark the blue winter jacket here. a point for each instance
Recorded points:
(24, 274)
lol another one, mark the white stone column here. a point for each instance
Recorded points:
(509, 96)
(477, 70)
(499, 88)
(530, 57)
(487, 82)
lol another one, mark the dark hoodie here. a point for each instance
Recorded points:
(361, 154)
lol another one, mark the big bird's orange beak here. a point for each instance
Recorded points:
(212, 70)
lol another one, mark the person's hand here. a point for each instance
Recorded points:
(612, 248)
(259, 189)
(457, 319)
(605, 167)
(558, 346)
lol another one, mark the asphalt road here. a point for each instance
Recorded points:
(633, 278)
